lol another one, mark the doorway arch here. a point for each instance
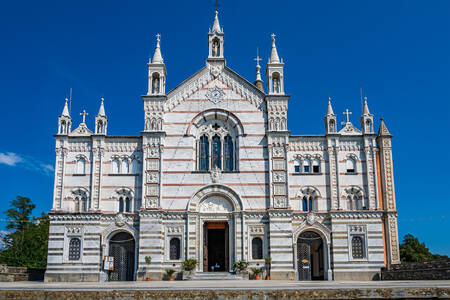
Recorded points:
(122, 248)
(310, 256)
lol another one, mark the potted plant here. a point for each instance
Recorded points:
(170, 273)
(240, 267)
(268, 261)
(189, 267)
(256, 272)
(148, 261)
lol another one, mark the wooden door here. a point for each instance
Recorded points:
(227, 248)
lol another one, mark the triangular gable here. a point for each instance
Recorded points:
(349, 129)
(81, 130)
(208, 74)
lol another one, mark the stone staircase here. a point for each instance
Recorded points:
(215, 276)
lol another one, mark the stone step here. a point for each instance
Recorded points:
(215, 276)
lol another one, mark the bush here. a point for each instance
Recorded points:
(256, 271)
(170, 272)
(240, 265)
(189, 264)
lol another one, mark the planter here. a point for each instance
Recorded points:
(243, 274)
(186, 275)
(267, 277)
(147, 279)
(256, 277)
(171, 279)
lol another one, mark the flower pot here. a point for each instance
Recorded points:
(267, 277)
(147, 279)
(256, 277)
(170, 278)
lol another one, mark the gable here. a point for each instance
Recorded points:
(213, 79)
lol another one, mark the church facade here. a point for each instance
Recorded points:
(215, 175)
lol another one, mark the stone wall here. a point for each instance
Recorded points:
(429, 270)
(10, 274)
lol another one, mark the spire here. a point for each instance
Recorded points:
(101, 111)
(330, 108)
(274, 59)
(216, 25)
(65, 111)
(366, 107)
(383, 129)
(157, 57)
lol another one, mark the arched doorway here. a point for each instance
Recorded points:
(122, 248)
(310, 256)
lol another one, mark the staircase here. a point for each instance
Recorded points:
(214, 276)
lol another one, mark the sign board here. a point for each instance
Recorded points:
(108, 263)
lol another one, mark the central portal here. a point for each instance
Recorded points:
(215, 247)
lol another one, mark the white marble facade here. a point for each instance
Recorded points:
(335, 190)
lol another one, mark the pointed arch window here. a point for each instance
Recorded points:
(175, 249)
(74, 249)
(216, 153)
(228, 153)
(257, 248)
(204, 153)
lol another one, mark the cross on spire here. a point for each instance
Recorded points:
(158, 36)
(257, 59)
(84, 114)
(348, 115)
(273, 36)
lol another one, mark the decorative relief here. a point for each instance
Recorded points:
(216, 204)
(386, 143)
(306, 144)
(279, 202)
(74, 230)
(174, 229)
(216, 174)
(394, 239)
(215, 95)
(154, 121)
(357, 228)
(257, 229)
(152, 177)
(152, 190)
(120, 220)
(153, 164)
(278, 152)
(279, 177)
(278, 121)
(215, 70)
(151, 202)
(311, 218)
(279, 189)
(153, 152)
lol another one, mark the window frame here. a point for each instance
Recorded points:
(179, 248)
(254, 238)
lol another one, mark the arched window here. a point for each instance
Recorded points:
(121, 204)
(368, 126)
(306, 166)
(155, 83)
(257, 248)
(228, 153)
(216, 153)
(332, 126)
(81, 166)
(83, 204)
(350, 165)
(296, 166)
(77, 204)
(175, 248)
(127, 204)
(357, 247)
(307, 203)
(135, 166)
(74, 249)
(276, 83)
(204, 154)
(125, 166)
(316, 166)
(115, 166)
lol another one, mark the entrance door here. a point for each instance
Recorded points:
(121, 247)
(215, 247)
(310, 256)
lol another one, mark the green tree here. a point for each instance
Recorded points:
(412, 250)
(26, 246)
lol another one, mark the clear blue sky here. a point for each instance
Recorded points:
(398, 51)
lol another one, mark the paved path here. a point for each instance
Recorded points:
(222, 285)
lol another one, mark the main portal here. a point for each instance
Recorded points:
(215, 247)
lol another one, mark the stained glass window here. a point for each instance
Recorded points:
(204, 154)
(216, 152)
(228, 153)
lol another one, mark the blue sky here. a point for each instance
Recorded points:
(398, 51)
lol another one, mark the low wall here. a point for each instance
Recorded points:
(10, 274)
(430, 270)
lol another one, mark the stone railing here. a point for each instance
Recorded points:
(429, 270)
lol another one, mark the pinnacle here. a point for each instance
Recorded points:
(330, 108)
(274, 54)
(366, 107)
(101, 111)
(157, 57)
(216, 25)
(383, 129)
(65, 112)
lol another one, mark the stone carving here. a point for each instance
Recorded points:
(215, 70)
(216, 174)
(280, 202)
(215, 95)
(174, 229)
(152, 177)
(357, 228)
(279, 189)
(82, 130)
(74, 230)
(120, 220)
(216, 204)
(311, 218)
(152, 190)
(153, 152)
(278, 152)
(151, 202)
(152, 164)
(257, 229)
(278, 164)
(279, 177)
(349, 129)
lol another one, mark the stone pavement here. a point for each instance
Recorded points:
(229, 289)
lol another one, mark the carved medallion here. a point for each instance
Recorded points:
(310, 218)
(216, 173)
(215, 95)
(280, 202)
(278, 152)
(120, 220)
